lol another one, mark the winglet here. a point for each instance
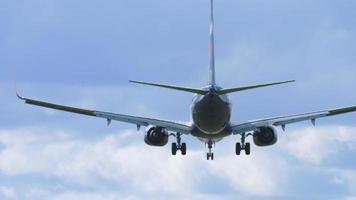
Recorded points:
(17, 94)
(20, 97)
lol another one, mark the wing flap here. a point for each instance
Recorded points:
(143, 121)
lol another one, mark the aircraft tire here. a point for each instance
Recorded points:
(174, 148)
(184, 148)
(238, 148)
(247, 148)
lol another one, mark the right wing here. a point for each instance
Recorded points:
(184, 128)
(283, 121)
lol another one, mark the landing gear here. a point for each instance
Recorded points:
(210, 154)
(239, 148)
(243, 146)
(178, 146)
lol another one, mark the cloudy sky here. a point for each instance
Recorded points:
(83, 53)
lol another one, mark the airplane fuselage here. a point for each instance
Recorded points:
(211, 114)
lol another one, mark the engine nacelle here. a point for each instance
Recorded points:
(265, 136)
(156, 136)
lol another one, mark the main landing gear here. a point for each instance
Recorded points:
(210, 154)
(178, 146)
(243, 146)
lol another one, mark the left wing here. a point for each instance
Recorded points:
(183, 128)
(283, 121)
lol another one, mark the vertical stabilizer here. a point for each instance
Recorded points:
(212, 46)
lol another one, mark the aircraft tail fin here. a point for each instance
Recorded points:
(185, 89)
(212, 46)
(238, 89)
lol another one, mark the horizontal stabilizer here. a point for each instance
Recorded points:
(238, 89)
(185, 89)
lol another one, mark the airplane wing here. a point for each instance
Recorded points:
(283, 121)
(183, 128)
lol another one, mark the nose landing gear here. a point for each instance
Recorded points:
(210, 154)
(178, 146)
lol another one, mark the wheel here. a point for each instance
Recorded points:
(210, 156)
(174, 148)
(183, 148)
(238, 148)
(247, 148)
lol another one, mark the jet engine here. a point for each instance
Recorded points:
(156, 136)
(265, 136)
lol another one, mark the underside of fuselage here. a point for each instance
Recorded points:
(204, 137)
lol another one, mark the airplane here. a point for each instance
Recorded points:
(210, 115)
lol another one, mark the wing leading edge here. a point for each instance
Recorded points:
(139, 121)
(283, 121)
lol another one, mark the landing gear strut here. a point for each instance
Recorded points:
(243, 146)
(178, 146)
(210, 154)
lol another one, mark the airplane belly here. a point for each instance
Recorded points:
(211, 114)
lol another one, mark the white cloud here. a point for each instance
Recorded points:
(259, 174)
(116, 196)
(88, 196)
(338, 180)
(8, 192)
(348, 176)
(120, 159)
(350, 198)
(316, 144)
(82, 162)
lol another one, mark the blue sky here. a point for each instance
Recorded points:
(83, 53)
